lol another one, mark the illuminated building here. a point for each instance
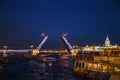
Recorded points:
(107, 62)
(107, 45)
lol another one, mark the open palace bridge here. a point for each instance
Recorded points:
(38, 49)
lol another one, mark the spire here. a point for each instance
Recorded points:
(107, 38)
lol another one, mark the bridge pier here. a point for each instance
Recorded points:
(35, 52)
(4, 54)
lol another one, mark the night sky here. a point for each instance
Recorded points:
(85, 21)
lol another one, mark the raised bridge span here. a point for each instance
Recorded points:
(25, 50)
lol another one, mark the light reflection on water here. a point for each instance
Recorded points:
(36, 69)
(45, 71)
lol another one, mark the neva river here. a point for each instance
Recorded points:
(38, 69)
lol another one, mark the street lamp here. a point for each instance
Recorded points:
(5, 47)
(31, 46)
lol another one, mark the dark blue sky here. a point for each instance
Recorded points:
(86, 21)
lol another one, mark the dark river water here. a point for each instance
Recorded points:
(38, 69)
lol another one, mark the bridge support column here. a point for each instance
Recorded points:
(4, 54)
(35, 52)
